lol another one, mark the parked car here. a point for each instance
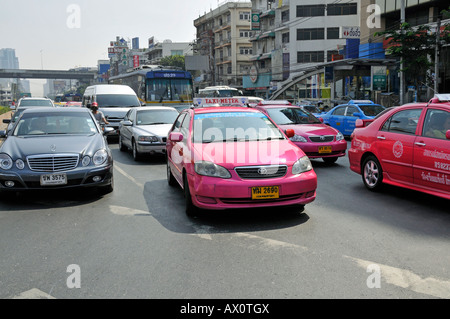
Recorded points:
(236, 157)
(55, 148)
(344, 116)
(144, 129)
(406, 146)
(316, 139)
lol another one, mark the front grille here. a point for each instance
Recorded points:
(322, 138)
(261, 172)
(53, 162)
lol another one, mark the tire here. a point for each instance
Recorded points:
(191, 209)
(329, 160)
(136, 154)
(122, 147)
(372, 174)
(170, 178)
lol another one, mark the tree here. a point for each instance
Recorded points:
(173, 60)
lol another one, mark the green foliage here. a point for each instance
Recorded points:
(173, 60)
(4, 109)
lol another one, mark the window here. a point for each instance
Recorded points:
(178, 121)
(285, 16)
(246, 51)
(310, 56)
(403, 122)
(342, 9)
(311, 10)
(340, 110)
(245, 33)
(351, 110)
(285, 37)
(437, 123)
(332, 33)
(185, 125)
(311, 34)
(244, 15)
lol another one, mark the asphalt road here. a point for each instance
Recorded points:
(137, 242)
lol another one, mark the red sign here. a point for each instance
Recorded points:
(135, 61)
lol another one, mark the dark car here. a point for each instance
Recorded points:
(55, 148)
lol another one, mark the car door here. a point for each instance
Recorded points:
(174, 150)
(126, 131)
(432, 153)
(395, 144)
(350, 119)
(336, 118)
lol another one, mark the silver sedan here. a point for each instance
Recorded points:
(144, 129)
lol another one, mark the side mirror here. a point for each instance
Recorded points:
(2, 134)
(175, 137)
(290, 132)
(108, 130)
(6, 121)
(359, 123)
(127, 123)
(142, 103)
(447, 135)
(321, 119)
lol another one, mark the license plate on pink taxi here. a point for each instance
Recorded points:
(265, 192)
(325, 149)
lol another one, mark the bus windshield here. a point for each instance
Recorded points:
(161, 90)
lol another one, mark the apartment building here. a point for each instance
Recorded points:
(223, 35)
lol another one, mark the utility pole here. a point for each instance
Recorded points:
(436, 56)
(402, 75)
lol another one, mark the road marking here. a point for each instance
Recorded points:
(126, 211)
(34, 294)
(131, 178)
(406, 279)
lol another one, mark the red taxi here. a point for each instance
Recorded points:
(406, 146)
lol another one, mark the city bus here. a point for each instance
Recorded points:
(158, 85)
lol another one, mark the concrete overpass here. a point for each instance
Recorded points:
(47, 74)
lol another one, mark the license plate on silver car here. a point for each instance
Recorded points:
(53, 179)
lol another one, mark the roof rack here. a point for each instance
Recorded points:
(360, 102)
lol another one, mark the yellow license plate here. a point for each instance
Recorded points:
(325, 149)
(265, 192)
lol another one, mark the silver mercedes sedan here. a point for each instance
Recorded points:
(144, 130)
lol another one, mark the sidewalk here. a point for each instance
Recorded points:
(6, 115)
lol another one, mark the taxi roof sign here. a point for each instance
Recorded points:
(221, 101)
(443, 97)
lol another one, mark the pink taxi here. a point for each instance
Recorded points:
(236, 157)
(406, 146)
(316, 139)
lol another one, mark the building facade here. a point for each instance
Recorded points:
(223, 35)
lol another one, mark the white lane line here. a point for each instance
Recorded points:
(131, 178)
(33, 294)
(126, 211)
(406, 279)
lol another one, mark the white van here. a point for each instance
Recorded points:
(114, 101)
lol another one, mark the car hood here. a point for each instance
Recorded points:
(20, 147)
(310, 129)
(232, 154)
(114, 112)
(158, 130)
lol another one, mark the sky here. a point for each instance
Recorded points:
(63, 34)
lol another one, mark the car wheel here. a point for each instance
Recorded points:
(330, 160)
(122, 147)
(372, 173)
(136, 154)
(170, 178)
(191, 209)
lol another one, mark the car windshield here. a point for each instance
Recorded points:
(57, 123)
(311, 108)
(234, 127)
(149, 117)
(117, 100)
(291, 116)
(31, 102)
(371, 109)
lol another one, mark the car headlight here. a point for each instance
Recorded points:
(298, 138)
(339, 137)
(85, 161)
(5, 161)
(150, 139)
(100, 157)
(20, 164)
(211, 169)
(302, 165)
